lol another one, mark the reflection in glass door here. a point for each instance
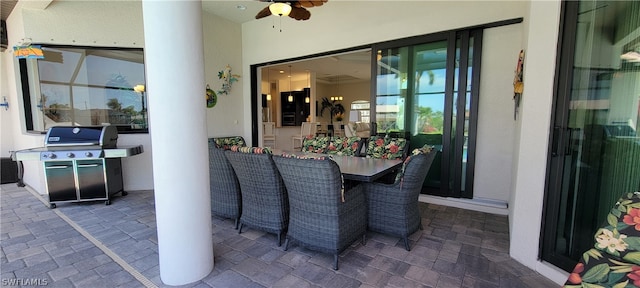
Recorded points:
(423, 92)
(391, 89)
(428, 104)
(595, 146)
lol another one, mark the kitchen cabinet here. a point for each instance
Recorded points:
(297, 110)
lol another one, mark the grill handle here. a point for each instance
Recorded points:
(59, 167)
(88, 165)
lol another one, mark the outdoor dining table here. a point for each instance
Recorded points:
(354, 168)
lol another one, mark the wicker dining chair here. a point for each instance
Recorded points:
(393, 208)
(322, 216)
(264, 198)
(226, 200)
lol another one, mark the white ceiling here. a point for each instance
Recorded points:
(344, 68)
(350, 67)
(224, 8)
(230, 11)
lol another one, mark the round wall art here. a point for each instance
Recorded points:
(212, 98)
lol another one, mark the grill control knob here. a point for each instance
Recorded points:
(88, 154)
(51, 156)
(70, 155)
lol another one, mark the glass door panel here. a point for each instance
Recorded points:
(462, 113)
(596, 150)
(423, 91)
(391, 89)
(428, 99)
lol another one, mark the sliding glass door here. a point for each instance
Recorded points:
(423, 91)
(595, 143)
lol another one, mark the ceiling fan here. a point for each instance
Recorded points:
(294, 9)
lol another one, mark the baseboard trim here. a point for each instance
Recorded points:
(554, 273)
(477, 204)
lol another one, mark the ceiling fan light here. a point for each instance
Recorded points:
(631, 56)
(280, 9)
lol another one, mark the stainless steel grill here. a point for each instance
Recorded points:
(81, 163)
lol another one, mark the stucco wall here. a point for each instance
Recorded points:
(494, 151)
(6, 121)
(222, 43)
(532, 137)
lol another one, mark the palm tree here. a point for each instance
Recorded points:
(334, 108)
(430, 121)
(114, 104)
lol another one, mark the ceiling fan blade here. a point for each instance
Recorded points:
(310, 3)
(299, 13)
(263, 13)
(305, 4)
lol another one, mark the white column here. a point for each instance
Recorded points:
(174, 57)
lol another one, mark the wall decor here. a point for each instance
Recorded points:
(212, 98)
(227, 79)
(518, 84)
(28, 51)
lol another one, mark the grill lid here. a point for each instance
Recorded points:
(104, 136)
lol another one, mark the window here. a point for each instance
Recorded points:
(360, 111)
(83, 86)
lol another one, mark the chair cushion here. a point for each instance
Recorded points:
(353, 126)
(347, 146)
(386, 147)
(422, 150)
(227, 142)
(305, 156)
(360, 129)
(251, 150)
(362, 126)
(315, 144)
(615, 259)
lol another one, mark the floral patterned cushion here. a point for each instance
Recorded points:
(251, 150)
(315, 144)
(227, 142)
(422, 150)
(305, 156)
(615, 259)
(386, 147)
(347, 146)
